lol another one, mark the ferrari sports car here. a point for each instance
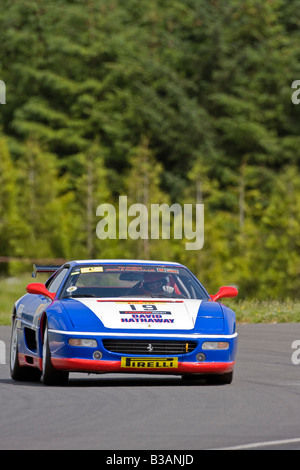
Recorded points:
(116, 316)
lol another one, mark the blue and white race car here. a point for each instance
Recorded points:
(102, 316)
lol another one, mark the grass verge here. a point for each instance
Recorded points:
(247, 311)
(265, 311)
(11, 289)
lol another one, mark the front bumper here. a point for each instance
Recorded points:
(102, 367)
(80, 359)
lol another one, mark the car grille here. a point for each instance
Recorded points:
(149, 347)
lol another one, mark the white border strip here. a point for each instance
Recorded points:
(146, 335)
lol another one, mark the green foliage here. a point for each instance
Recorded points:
(165, 102)
(265, 311)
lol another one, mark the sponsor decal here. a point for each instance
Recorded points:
(152, 363)
(137, 314)
(167, 270)
(92, 269)
(72, 289)
(147, 318)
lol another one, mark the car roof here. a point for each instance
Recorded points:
(122, 261)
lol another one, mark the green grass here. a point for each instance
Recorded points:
(247, 311)
(265, 311)
(11, 289)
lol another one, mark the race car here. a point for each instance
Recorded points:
(116, 316)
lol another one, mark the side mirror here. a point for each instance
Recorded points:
(224, 291)
(39, 289)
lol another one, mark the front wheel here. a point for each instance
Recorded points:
(210, 379)
(51, 376)
(17, 372)
(219, 379)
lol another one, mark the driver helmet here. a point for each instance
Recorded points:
(154, 282)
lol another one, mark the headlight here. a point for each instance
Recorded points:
(215, 345)
(86, 343)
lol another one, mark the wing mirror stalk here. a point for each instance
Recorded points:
(39, 289)
(225, 291)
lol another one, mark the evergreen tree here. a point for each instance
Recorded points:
(165, 102)
(9, 217)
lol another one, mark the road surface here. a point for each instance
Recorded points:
(259, 410)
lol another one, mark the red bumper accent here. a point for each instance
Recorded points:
(85, 365)
(30, 361)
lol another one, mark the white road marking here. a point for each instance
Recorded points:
(262, 444)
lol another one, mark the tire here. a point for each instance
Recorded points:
(193, 379)
(18, 373)
(51, 376)
(219, 379)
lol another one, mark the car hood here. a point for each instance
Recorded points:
(145, 313)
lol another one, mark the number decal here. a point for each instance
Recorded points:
(148, 307)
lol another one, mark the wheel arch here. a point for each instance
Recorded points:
(43, 323)
(13, 315)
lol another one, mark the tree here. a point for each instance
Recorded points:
(142, 185)
(92, 188)
(9, 217)
(43, 204)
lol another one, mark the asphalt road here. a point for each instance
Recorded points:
(259, 410)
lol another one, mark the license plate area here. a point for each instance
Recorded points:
(149, 363)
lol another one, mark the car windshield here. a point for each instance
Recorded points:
(125, 280)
